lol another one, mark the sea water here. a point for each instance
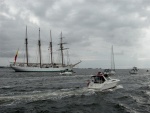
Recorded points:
(44, 92)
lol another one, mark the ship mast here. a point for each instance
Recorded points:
(39, 44)
(61, 49)
(26, 43)
(51, 50)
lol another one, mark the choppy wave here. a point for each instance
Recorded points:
(50, 94)
(6, 87)
(148, 93)
(38, 95)
(45, 92)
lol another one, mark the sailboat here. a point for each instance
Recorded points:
(112, 70)
(43, 67)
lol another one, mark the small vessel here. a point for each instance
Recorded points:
(111, 71)
(107, 71)
(43, 67)
(134, 70)
(102, 82)
(66, 73)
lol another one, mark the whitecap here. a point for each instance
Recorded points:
(39, 95)
(148, 93)
(6, 87)
(119, 87)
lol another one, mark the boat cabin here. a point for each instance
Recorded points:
(98, 79)
(135, 69)
(107, 70)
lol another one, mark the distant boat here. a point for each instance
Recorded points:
(107, 71)
(43, 67)
(111, 71)
(102, 83)
(134, 70)
(66, 72)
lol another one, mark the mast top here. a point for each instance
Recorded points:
(39, 33)
(50, 36)
(26, 35)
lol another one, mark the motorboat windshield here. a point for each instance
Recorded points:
(98, 79)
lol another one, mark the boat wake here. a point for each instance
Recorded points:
(54, 95)
(6, 87)
(6, 100)
(119, 87)
(115, 88)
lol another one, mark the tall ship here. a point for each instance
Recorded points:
(43, 67)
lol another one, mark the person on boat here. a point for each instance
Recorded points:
(147, 71)
(106, 75)
(99, 74)
(96, 79)
(99, 78)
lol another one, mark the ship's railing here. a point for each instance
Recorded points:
(44, 65)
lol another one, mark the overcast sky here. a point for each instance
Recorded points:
(90, 28)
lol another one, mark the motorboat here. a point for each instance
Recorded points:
(134, 70)
(66, 73)
(102, 83)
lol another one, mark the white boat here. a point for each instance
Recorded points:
(107, 71)
(134, 70)
(66, 73)
(102, 83)
(111, 71)
(42, 67)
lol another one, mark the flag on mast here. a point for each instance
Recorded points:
(16, 55)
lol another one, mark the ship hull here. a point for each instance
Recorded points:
(133, 72)
(38, 69)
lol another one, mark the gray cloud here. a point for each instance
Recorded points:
(105, 22)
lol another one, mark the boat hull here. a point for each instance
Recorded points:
(66, 73)
(110, 72)
(103, 86)
(38, 69)
(133, 72)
